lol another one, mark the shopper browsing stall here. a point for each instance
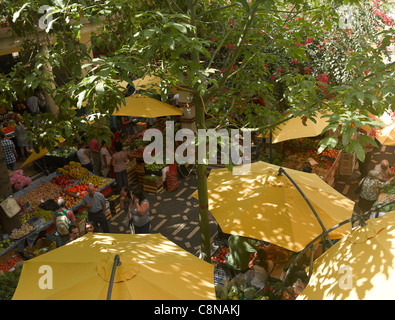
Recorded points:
(140, 212)
(94, 148)
(84, 156)
(106, 159)
(96, 204)
(119, 161)
(370, 190)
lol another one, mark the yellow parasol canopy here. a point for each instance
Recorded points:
(43, 151)
(265, 206)
(361, 266)
(148, 82)
(143, 106)
(386, 135)
(299, 127)
(152, 268)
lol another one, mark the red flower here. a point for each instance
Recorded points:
(295, 61)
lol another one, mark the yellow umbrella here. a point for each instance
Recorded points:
(152, 268)
(147, 83)
(143, 106)
(386, 135)
(265, 206)
(43, 151)
(299, 127)
(361, 266)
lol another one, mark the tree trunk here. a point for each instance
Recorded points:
(7, 224)
(202, 189)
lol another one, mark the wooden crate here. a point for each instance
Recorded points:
(153, 189)
(153, 181)
(108, 214)
(347, 164)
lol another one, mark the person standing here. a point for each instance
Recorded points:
(106, 159)
(119, 161)
(383, 168)
(238, 257)
(21, 136)
(96, 204)
(9, 151)
(96, 156)
(140, 212)
(33, 103)
(371, 187)
(84, 156)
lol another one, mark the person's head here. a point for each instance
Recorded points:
(125, 192)
(385, 164)
(89, 227)
(104, 144)
(74, 232)
(118, 146)
(138, 194)
(2, 135)
(61, 202)
(91, 189)
(82, 144)
(261, 255)
(373, 174)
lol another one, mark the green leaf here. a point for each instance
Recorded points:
(16, 15)
(355, 145)
(100, 88)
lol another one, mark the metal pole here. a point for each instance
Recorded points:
(281, 170)
(361, 218)
(117, 262)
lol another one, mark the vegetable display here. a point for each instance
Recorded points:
(62, 181)
(22, 231)
(44, 192)
(74, 170)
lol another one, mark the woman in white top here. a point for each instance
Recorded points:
(262, 267)
(85, 157)
(106, 159)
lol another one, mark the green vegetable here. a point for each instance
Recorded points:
(8, 283)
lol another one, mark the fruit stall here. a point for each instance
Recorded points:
(36, 234)
(301, 152)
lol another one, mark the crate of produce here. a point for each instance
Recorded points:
(153, 189)
(153, 180)
(347, 164)
(114, 202)
(153, 184)
(42, 246)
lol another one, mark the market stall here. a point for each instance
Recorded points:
(241, 287)
(36, 235)
(299, 153)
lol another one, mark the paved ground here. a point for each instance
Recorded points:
(175, 214)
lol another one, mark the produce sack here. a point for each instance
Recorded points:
(10, 207)
(171, 181)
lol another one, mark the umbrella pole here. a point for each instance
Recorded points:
(361, 218)
(117, 262)
(280, 171)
